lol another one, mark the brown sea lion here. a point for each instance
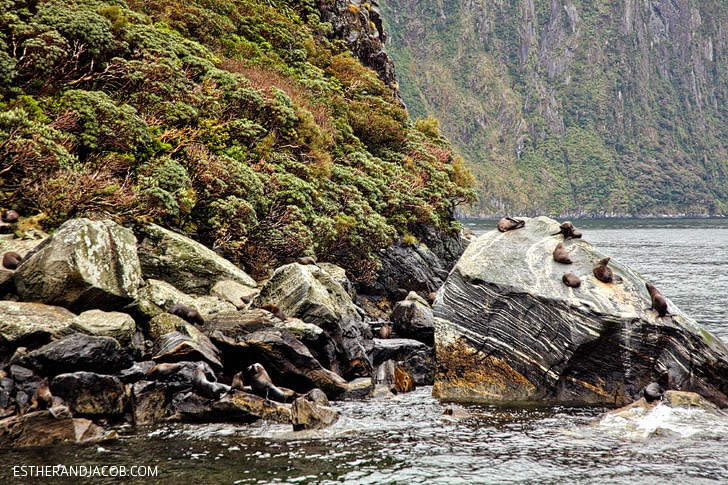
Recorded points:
(569, 231)
(561, 254)
(237, 381)
(277, 312)
(385, 331)
(189, 314)
(162, 371)
(658, 301)
(205, 388)
(11, 260)
(602, 272)
(653, 392)
(306, 260)
(571, 280)
(509, 224)
(43, 399)
(262, 384)
(10, 216)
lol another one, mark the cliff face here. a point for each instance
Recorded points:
(575, 106)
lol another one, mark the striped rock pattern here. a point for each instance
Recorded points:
(508, 329)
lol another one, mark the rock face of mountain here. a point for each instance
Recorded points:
(575, 106)
(508, 329)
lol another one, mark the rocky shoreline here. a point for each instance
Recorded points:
(103, 325)
(140, 325)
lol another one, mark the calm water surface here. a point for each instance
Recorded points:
(408, 440)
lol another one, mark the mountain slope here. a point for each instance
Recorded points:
(581, 107)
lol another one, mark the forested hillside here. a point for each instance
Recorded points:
(248, 124)
(578, 107)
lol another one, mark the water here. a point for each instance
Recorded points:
(407, 440)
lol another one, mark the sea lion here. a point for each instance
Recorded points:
(568, 230)
(277, 312)
(43, 399)
(306, 260)
(162, 371)
(561, 255)
(10, 216)
(262, 385)
(385, 331)
(508, 224)
(658, 301)
(189, 314)
(571, 280)
(653, 392)
(205, 388)
(11, 260)
(602, 272)
(238, 382)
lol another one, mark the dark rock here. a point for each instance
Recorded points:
(317, 396)
(506, 328)
(413, 319)
(287, 360)
(84, 265)
(358, 388)
(183, 378)
(184, 263)
(187, 344)
(136, 372)
(150, 402)
(306, 414)
(448, 247)
(90, 394)
(397, 349)
(78, 352)
(234, 407)
(41, 428)
(309, 293)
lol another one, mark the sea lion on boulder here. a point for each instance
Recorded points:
(162, 371)
(262, 385)
(561, 254)
(277, 312)
(602, 272)
(569, 231)
(653, 392)
(571, 280)
(208, 389)
(11, 260)
(306, 260)
(42, 398)
(508, 224)
(189, 314)
(658, 301)
(237, 383)
(10, 215)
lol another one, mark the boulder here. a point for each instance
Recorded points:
(397, 349)
(507, 328)
(447, 246)
(233, 292)
(413, 318)
(339, 275)
(78, 352)
(184, 263)
(41, 428)
(311, 294)
(358, 388)
(187, 343)
(236, 406)
(30, 325)
(84, 265)
(90, 394)
(150, 402)
(306, 414)
(117, 325)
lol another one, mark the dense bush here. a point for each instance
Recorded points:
(238, 121)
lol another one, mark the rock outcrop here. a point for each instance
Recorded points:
(84, 265)
(30, 325)
(507, 328)
(413, 319)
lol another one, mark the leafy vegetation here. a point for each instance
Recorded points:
(241, 122)
(587, 107)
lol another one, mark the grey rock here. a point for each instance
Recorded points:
(188, 343)
(84, 265)
(507, 328)
(188, 265)
(150, 402)
(31, 324)
(117, 325)
(309, 293)
(233, 292)
(306, 414)
(413, 318)
(339, 275)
